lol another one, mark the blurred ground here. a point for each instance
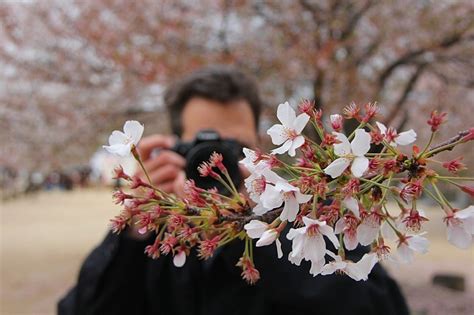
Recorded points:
(44, 239)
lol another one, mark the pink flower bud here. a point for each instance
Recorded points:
(454, 165)
(153, 250)
(468, 190)
(352, 111)
(469, 136)
(436, 120)
(371, 109)
(412, 190)
(120, 197)
(217, 160)
(205, 169)
(306, 106)
(120, 174)
(207, 247)
(137, 182)
(249, 272)
(336, 122)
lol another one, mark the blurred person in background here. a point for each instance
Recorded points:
(118, 278)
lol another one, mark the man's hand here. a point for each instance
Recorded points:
(165, 169)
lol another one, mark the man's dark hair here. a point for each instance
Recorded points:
(218, 83)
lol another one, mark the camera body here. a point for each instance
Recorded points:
(201, 148)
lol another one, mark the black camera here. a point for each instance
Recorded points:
(201, 148)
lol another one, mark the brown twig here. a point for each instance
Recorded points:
(241, 220)
(445, 146)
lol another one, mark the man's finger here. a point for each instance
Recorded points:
(178, 184)
(167, 187)
(164, 158)
(164, 174)
(147, 144)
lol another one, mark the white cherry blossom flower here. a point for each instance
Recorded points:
(257, 184)
(258, 229)
(460, 227)
(357, 271)
(288, 133)
(274, 196)
(121, 143)
(394, 138)
(309, 243)
(250, 161)
(410, 244)
(350, 153)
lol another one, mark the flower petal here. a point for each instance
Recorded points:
(359, 166)
(302, 198)
(278, 134)
(361, 143)
(467, 218)
(300, 122)
(267, 238)
(327, 231)
(465, 213)
(122, 150)
(459, 237)
(134, 130)
(295, 259)
(344, 147)
(278, 246)
(298, 245)
(418, 243)
(314, 248)
(350, 241)
(352, 204)
(360, 270)
(286, 114)
(271, 198)
(117, 137)
(295, 144)
(382, 127)
(290, 210)
(366, 233)
(255, 228)
(339, 226)
(316, 267)
(406, 137)
(285, 147)
(292, 233)
(259, 209)
(337, 167)
(405, 253)
(250, 157)
(179, 259)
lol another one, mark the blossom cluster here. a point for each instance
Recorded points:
(334, 197)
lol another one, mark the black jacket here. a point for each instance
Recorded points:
(118, 278)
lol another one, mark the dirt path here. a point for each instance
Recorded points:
(44, 239)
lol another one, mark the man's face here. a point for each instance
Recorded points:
(233, 120)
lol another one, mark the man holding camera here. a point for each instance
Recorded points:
(217, 107)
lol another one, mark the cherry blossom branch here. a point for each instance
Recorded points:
(335, 189)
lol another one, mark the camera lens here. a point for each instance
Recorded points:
(201, 153)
